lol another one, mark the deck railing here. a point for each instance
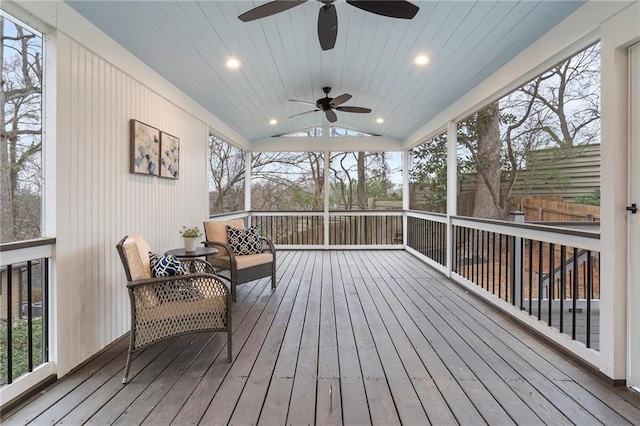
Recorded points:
(427, 234)
(550, 272)
(24, 307)
(362, 228)
(291, 228)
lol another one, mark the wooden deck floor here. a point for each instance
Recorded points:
(351, 337)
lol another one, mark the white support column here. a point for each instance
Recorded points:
(247, 182)
(452, 187)
(50, 171)
(406, 165)
(327, 190)
(613, 163)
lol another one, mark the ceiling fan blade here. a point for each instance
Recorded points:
(338, 100)
(327, 26)
(303, 102)
(331, 116)
(269, 9)
(306, 112)
(392, 8)
(354, 109)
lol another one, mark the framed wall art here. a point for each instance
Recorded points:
(145, 149)
(169, 156)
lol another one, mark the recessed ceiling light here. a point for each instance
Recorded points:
(233, 63)
(421, 60)
(273, 122)
(379, 120)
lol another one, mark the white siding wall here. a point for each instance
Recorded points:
(98, 201)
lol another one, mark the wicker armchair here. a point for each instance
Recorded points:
(170, 306)
(241, 269)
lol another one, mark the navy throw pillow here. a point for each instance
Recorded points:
(166, 266)
(244, 241)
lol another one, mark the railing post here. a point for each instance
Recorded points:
(452, 190)
(517, 257)
(326, 220)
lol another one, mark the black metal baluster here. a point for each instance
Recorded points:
(454, 249)
(468, 253)
(563, 283)
(458, 249)
(552, 277)
(530, 247)
(510, 265)
(470, 232)
(443, 243)
(421, 229)
(493, 262)
(481, 258)
(45, 311)
(29, 316)
(589, 275)
(499, 265)
(429, 240)
(436, 243)
(435, 238)
(575, 292)
(474, 256)
(486, 260)
(9, 327)
(424, 240)
(540, 272)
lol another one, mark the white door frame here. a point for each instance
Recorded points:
(633, 278)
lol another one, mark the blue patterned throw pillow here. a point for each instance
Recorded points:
(244, 241)
(171, 291)
(166, 266)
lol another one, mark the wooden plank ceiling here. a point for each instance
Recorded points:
(187, 42)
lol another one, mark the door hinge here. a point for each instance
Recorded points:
(633, 208)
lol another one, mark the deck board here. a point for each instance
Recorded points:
(347, 337)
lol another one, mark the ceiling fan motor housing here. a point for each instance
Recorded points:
(324, 103)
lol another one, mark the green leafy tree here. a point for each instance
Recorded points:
(592, 199)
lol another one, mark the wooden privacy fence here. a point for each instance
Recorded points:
(546, 210)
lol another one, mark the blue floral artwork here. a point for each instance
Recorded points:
(145, 149)
(169, 156)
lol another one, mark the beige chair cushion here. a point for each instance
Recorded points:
(216, 230)
(249, 260)
(137, 251)
(244, 261)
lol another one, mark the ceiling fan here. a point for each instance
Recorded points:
(328, 105)
(328, 19)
